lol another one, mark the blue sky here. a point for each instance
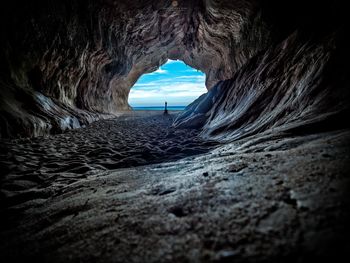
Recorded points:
(174, 82)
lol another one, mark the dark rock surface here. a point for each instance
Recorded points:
(299, 85)
(263, 199)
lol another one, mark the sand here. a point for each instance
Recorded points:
(133, 139)
(267, 198)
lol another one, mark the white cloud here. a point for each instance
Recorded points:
(170, 61)
(199, 80)
(195, 78)
(151, 84)
(159, 71)
(175, 89)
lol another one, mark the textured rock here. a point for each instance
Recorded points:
(259, 199)
(66, 63)
(298, 86)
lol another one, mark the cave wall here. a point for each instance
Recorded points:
(67, 63)
(299, 86)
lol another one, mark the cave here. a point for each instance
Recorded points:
(256, 169)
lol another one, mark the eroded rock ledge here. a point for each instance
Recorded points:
(298, 86)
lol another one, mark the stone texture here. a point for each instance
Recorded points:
(297, 86)
(273, 198)
(67, 63)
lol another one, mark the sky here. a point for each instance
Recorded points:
(174, 82)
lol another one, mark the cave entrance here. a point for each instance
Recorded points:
(174, 82)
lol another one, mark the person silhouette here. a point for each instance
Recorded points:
(166, 108)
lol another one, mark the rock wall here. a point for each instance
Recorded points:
(67, 63)
(298, 86)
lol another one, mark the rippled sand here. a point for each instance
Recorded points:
(134, 139)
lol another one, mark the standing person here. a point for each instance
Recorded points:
(166, 108)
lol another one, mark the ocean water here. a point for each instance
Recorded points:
(161, 108)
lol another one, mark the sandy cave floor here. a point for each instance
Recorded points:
(270, 197)
(133, 139)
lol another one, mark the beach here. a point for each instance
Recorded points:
(135, 138)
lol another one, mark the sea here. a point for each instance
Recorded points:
(161, 108)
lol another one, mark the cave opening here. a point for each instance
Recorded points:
(255, 169)
(174, 82)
